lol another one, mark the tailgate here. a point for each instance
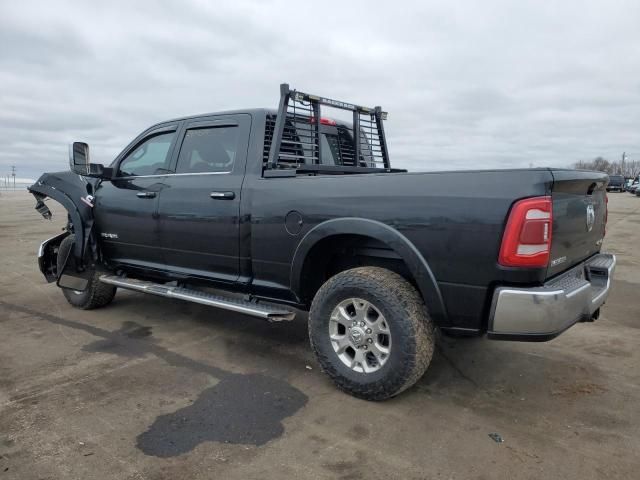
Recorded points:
(579, 217)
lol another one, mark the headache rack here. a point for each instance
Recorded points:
(294, 142)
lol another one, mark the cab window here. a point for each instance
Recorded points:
(151, 157)
(208, 150)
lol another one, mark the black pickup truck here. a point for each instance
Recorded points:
(268, 211)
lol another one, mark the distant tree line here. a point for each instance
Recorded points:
(626, 167)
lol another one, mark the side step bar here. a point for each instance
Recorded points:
(269, 312)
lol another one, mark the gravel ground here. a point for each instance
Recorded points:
(150, 388)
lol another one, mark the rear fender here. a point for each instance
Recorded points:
(400, 244)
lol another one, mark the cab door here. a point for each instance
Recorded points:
(199, 206)
(126, 207)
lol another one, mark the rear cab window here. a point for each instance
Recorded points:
(208, 150)
(336, 150)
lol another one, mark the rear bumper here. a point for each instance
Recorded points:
(543, 313)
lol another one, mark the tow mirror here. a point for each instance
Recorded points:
(80, 163)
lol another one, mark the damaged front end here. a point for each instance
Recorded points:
(74, 193)
(48, 256)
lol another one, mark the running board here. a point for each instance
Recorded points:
(269, 312)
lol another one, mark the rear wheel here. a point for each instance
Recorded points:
(371, 333)
(96, 295)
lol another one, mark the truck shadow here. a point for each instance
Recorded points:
(226, 412)
(250, 408)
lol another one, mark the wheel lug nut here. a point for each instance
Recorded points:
(365, 347)
(369, 340)
(355, 324)
(368, 330)
(362, 324)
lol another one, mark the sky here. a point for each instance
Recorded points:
(467, 85)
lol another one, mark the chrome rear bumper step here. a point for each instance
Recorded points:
(542, 313)
(269, 312)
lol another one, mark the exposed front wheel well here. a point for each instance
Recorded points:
(96, 294)
(338, 253)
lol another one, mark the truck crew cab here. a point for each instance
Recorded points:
(294, 210)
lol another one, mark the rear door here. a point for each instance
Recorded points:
(579, 217)
(126, 206)
(200, 205)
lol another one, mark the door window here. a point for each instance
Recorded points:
(151, 157)
(207, 150)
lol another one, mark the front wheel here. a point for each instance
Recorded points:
(371, 333)
(96, 295)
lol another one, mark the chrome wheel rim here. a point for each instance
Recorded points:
(360, 335)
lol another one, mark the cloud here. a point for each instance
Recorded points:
(468, 85)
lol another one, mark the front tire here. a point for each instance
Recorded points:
(371, 333)
(96, 295)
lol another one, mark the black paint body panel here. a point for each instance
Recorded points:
(446, 226)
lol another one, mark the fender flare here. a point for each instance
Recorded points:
(82, 226)
(400, 244)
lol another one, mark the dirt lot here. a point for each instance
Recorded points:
(150, 388)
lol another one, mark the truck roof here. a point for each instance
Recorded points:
(250, 111)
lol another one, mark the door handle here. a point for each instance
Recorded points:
(222, 195)
(146, 194)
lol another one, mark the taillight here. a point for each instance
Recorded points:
(527, 237)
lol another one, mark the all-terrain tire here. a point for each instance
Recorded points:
(96, 295)
(412, 331)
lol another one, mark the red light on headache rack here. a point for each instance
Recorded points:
(324, 121)
(527, 237)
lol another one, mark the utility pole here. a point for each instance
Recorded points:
(13, 174)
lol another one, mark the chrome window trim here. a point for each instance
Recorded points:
(170, 175)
